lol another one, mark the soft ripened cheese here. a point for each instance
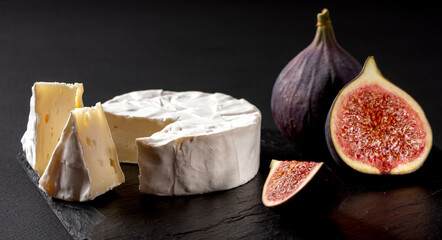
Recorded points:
(51, 104)
(186, 142)
(85, 161)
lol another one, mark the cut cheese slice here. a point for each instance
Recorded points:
(51, 104)
(85, 161)
(186, 142)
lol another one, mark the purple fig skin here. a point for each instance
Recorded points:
(306, 87)
(328, 140)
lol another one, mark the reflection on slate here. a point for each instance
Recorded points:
(390, 214)
(379, 207)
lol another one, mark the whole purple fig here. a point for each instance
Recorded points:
(306, 87)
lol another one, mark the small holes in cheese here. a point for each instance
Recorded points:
(91, 143)
(86, 117)
(111, 161)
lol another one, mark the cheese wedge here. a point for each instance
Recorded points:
(51, 104)
(85, 161)
(186, 142)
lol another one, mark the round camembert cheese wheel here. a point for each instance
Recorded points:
(186, 142)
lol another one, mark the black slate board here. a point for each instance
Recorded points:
(381, 207)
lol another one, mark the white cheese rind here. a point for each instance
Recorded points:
(85, 161)
(211, 141)
(200, 164)
(66, 176)
(29, 139)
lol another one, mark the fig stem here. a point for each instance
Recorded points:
(324, 30)
(323, 18)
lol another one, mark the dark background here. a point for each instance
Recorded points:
(234, 47)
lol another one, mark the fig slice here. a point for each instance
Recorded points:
(375, 127)
(302, 186)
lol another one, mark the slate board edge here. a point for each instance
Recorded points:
(80, 220)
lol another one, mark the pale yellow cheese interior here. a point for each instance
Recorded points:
(53, 104)
(99, 152)
(126, 130)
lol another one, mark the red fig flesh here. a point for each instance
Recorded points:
(306, 87)
(299, 185)
(375, 127)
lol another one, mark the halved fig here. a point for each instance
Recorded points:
(375, 127)
(302, 186)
